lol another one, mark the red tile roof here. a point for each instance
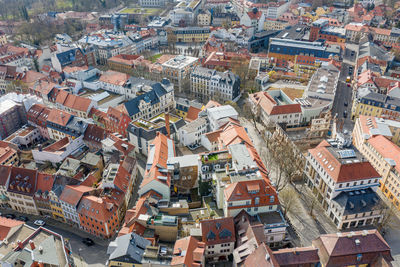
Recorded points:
(342, 172)
(114, 77)
(77, 103)
(57, 146)
(241, 191)
(269, 105)
(72, 194)
(6, 151)
(259, 258)
(386, 148)
(188, 252)
(95, 134)
(192, 114)
(296, 256)
(96, 207)
(125, 59)
(218, 231)
(6, 225)
(159, 161)
(23, 181)
(44, 182)
(59, 117)
(342, 249)
(254, 15)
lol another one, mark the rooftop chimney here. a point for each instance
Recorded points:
(166, 116)
(20, 245)
(32, 244)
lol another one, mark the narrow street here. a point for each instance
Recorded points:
(307, 227)
(95, 255)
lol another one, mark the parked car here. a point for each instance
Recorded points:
(10, 216)
(39, 223)
(23, 218)
(88, 242)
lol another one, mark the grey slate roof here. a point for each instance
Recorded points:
(153, 97)
(128, 248)
(357, 201)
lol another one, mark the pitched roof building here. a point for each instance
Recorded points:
(188, 252)
(219, 237)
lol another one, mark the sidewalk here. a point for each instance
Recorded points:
(303, 223)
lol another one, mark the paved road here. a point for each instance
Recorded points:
(95, 255)
(343, 96)
(304, 224)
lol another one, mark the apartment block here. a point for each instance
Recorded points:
(209, 84)
(12, 117)
(344, 183)
(219, 237)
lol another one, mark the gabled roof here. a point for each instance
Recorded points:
(218, 231)
(59, 117)
(192, 113)
(6, 151)
(95, 134)
(96, 207)
(128, 248)
(44, 182)
(296, 256)
(7, 225)
(159, 151)
(77, 102)
(23, 181)
(72, 194)
(387, 149)
(271, 107)
(152, 97)
(254, 15)
(342, 171)
(114, 77)
(244, 190)
(188, 251)
(261, 257)
(342, 248)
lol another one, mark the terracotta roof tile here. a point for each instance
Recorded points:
(269, 105)
(192, 114)
(96, 207)
(6, 151)
(6, 225)
(386, 148)
(187, 252)
(114, 77)
(23, 181)
(44, 182)
(59, 117)
(72, 194)
(218, 231)
(343, 172)
(296, 256)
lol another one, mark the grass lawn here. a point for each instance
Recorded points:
(62, 4)
(146, 11)
(154, 58)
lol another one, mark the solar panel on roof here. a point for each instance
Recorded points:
(347, 153)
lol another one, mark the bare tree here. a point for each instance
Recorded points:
(389, 219)
(288, 201)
